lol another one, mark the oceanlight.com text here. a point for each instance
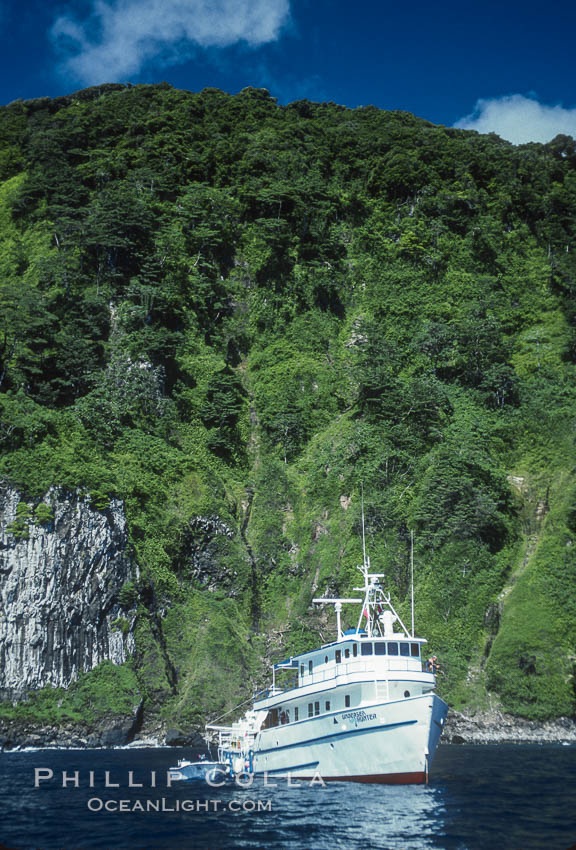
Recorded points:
(97, 804)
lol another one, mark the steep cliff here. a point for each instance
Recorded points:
(62, 567)
(235, 317)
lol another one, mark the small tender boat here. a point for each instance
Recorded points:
(202, 770)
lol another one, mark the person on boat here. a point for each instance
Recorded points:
(432, 665)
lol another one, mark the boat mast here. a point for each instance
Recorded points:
(375, 599)
(365, 562)
(412, 578)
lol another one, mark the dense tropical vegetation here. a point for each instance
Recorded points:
(232, 315)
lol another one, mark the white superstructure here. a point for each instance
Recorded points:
(362, 708)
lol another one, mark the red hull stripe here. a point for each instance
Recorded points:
(415, 778)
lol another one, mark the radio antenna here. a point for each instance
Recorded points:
(363, 527)
(412, 577)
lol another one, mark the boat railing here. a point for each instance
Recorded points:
(340, 670)
(384, 667)
(395, 665)
(271, 692)
(236, 740)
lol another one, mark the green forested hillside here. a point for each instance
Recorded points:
(232, 314)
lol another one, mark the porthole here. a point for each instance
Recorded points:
(406, 693)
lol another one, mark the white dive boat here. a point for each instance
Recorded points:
(201, 770)
(361, 709)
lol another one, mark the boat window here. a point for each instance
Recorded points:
(310, 710)
(346, 653)
(284, 717)
(327, 705)
(366, 648)
(271, 719)
(415, 650)
(347, 700)
(338, 656)
(404, 649)
(310, 666)
(355, 649)
(301, 669)
(325, 659)
(316, 708)
(296, 713)
(392, 649)
(380, 648)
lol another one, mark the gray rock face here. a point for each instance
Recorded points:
(495, 727)
(204, 541)
(59, 585)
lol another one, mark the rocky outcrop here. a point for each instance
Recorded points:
(106, 732)
(111, 731)
(62, 566)
(201, 553)
(495, 727)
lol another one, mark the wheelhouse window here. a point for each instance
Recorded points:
(355, 649)
(392, 649)
(310, 709)
(347, 700)
(327, 705)
(316, 708)
(296, 712)
(338, 655)
(325, 659)
(301, 669)
(346, 653)
(404, 649)
(415, 650)
(380, 649)
(366, 648)
(310, 667)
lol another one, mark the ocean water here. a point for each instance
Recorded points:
(489, 797)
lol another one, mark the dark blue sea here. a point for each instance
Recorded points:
(503, 797)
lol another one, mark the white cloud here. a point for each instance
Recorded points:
(120, 37)
(520, 119)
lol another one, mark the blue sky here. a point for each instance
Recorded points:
(504, 66)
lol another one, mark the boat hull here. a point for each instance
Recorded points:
(390, 742)
(415, 778)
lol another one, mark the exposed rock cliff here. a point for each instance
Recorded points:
(495, 727)
(62, 566)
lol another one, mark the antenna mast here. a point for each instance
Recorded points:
(412, 577)
(379, 622)
(363, 528)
